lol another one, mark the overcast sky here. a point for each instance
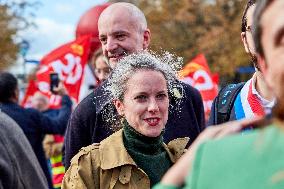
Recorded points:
(56, 22)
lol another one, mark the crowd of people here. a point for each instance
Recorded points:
(143, 128)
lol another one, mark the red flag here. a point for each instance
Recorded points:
(31, 89)
(197, 73)
(54, 100)
(68, 61)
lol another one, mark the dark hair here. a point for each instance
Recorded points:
(8, 85)
(256, 29)
(244, 17)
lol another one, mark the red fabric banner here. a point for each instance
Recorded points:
(197, 73)
(68, 61)
(54, 100)
(30, 91)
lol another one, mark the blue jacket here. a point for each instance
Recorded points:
(87, 126)
(35, 125)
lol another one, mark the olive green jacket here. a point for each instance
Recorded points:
(108, 165)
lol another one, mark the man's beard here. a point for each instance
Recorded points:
(119, 51)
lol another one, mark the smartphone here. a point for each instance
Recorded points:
(54, 81)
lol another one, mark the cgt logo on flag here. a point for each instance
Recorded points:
(197, 74)
(68, 61)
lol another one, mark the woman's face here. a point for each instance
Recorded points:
(146, 102)
(102, 70)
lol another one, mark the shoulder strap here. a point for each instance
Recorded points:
(225, 101)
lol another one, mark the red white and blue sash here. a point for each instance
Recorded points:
(247, 104)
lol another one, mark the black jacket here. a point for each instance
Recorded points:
(35, 125)
(86, 125)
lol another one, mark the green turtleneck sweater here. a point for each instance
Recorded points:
(147, 152)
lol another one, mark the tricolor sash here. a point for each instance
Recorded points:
(247, 104)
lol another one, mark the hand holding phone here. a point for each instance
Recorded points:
(54, 81)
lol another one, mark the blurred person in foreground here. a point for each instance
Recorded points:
(254, 160)
(120, 37)
(244, 100)
(18, 163)
(34, 124)
(135, 156)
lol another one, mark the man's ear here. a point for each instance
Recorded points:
(119, 107)
(262, 64)
(147, 38)
(245, 42)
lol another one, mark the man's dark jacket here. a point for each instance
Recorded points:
(35, 125)
(86, 125)
(19, 167)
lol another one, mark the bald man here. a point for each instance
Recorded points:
(120, 37)
(123, 30)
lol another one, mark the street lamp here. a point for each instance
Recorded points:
(24, 47)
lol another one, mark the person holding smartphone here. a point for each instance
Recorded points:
(34, 123)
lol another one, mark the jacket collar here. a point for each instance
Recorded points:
(114, 154)
(176, 148)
